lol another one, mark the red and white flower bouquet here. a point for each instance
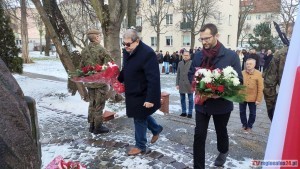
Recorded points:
(59, 163)
(216, 83)
(106, 73)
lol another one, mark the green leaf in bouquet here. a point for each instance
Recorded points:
(202, 85)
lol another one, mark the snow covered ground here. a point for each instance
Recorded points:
(46, 93)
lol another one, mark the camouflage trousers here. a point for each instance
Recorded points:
(97, 98)
(270, 96)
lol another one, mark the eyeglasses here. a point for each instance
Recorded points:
(127, 44)
(204, 39)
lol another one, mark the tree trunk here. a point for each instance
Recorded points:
(24, 32)
(41, 45)
(62, 52)
(111, 17)
(158, 38)
(192, 36)
(131, 13)
(48, 46)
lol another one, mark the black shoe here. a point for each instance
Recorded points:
(92, 127)
(221, 159)
(183, 115)
(101, 130)
(189, 116)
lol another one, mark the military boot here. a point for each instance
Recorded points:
(101, 129)
(92, 127)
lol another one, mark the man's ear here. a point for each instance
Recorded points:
(217, 35)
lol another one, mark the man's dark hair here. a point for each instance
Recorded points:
(212, 27)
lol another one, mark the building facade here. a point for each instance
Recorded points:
(175, 30)
(265, 11)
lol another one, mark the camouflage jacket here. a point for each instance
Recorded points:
(272, 75)
(93, 54)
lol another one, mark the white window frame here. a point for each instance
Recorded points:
(169, 19)
(153, 40)
(169, 41)
(186, 40)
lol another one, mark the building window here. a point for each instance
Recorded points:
(228, 39)
(187, 17)
(169, 19)
(138, 21)
(258, 17)
(169, 1)
(153, 41)
(229, 21)
(186, 40)
(230, 2)
(219, 17)
(248, 17)
(169, 41)
(152, 2)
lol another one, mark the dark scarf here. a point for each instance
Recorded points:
(209, 55)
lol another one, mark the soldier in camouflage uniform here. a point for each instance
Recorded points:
(93, 54)
(272, 77)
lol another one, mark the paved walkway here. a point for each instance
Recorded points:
(172, 150)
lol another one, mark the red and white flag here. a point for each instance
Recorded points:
(284, 138)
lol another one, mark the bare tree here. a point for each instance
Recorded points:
(131, 13)
(111, 16)
(245, 9)
(288, 14)
(79, 17)
(195, 14)
(24, 32)
(40, 25)
(52, 27)
(245, 33)
(155, 13)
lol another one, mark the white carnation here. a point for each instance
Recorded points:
(235, 81)
(206, 79)
(216, 74)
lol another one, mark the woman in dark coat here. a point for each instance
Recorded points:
(141, 77)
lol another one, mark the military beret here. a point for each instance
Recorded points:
(93, 31)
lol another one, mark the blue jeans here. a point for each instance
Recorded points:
(166, 65)
(252, 114)
(141, 126)
(183, 102)
(174, 68)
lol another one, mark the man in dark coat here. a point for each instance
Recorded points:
(213, 55)
(141, 77)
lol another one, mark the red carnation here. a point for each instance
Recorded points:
(90, 68)
(85, 69)
(220, 88)
(98, 68)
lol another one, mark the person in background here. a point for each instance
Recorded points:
(212, 56)
(167, 59)
(174, 62)
(253, 82)
(141, 77)
(246, 56)
(160, 59)
(241, 56)
(268, 57)
(184, 86)
(254, 56)
(262, 60)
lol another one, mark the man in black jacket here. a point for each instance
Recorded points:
(213, 55)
